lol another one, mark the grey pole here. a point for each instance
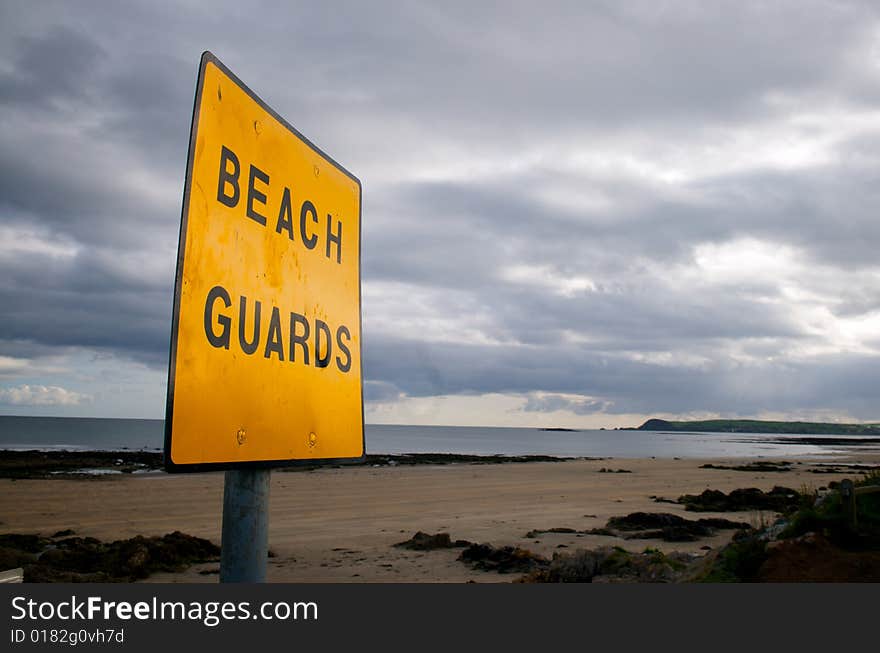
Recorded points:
(244, 544)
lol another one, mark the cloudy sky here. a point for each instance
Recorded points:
(574, 214)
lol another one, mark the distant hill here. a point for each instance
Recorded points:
(758, 426)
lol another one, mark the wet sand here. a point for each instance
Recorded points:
(340, 525)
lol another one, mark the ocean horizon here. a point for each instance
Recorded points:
(121, 434)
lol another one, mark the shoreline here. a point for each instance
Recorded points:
(130, 437)
(38, 463)
(341, 524)
(57, 464)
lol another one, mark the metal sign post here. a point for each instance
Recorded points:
(244, 543)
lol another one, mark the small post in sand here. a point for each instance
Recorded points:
(848, 496)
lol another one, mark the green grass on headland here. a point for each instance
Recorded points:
(759, 426)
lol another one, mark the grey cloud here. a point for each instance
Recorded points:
(26, 348)
(77, 192)
(551, 403)
(826, 210)
(143, 107)
(424, 369)
(842, 382)
(380, 391)
(480, 71)
(81, 303)
(51, 67)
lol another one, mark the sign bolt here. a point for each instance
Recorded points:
(241, 436)
(313, 439)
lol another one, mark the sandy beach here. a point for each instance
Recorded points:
(340, 524)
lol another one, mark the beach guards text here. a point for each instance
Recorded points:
(293, 338)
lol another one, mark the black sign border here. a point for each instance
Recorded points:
(170, 465)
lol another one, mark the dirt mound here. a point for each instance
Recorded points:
(812, 558)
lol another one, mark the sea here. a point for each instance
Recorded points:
(85, 434)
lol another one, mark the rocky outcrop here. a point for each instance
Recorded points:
(426, 542)
(504, 559)
(779, 499)
(86, 559)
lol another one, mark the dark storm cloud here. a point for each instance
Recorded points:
(421, 369)
(146, 110)
(618, 385)
(457, 233)
(380, 391)
(475, 68)
(459, 119)
(85, 117)
(76, 170)
(82, 199)
(84, 303)
(25, 348)
(50, 68)
(826, 210)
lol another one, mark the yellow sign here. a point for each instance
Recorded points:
(265, 363)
